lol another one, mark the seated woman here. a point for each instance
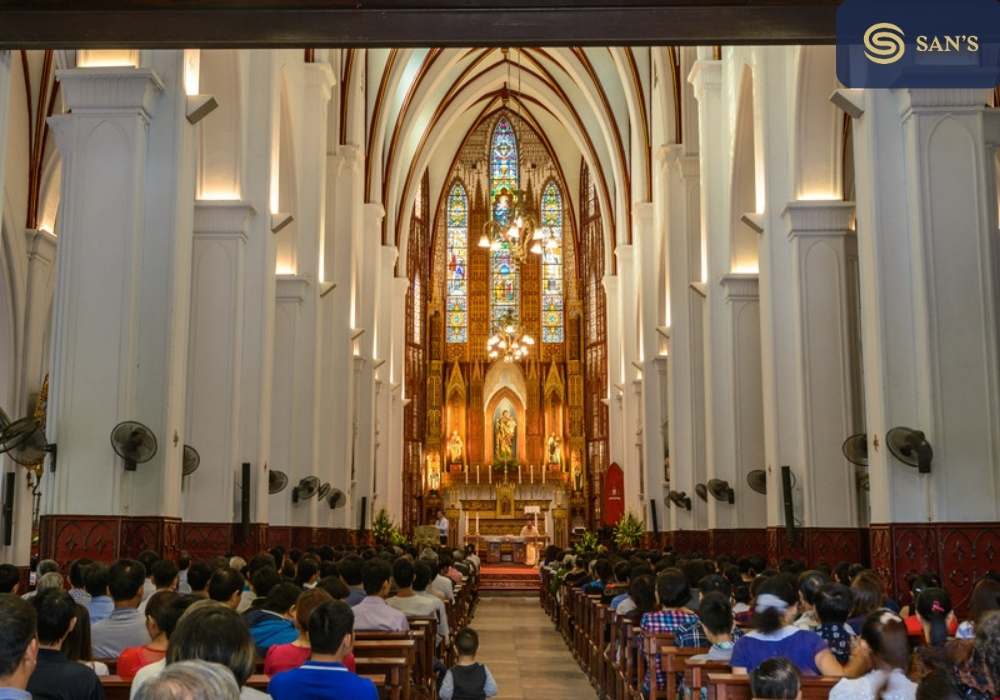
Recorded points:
(936, 616)
(77, 645)
(775, 635)
(884, 640)
(915, 623)
(161, 616)
(284, 657)
(867, 592)
(775, 679)
(985, 599)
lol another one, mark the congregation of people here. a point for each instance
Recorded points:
(201, 629)
(779, 625)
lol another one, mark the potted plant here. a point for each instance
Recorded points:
(382, 527)
(587, 543)
(628, 531)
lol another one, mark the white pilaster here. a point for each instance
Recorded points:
(397, 376)
(824, 251)
(215, 358)
(344, 199)
(259, 286)
(927, 246)
(617, 439)
(686, 372)
(124, 266)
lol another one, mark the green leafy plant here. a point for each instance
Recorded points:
(396, 537)
(587, 543)
(382, 527)
(628, 531)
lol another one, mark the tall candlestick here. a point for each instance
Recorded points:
(531, 472)
(477, 523)
(544, 469)
(518, 473)
(477, 475)
(489, 473)
(466, 476)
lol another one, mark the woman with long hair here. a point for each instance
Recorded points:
(884, 641)
(77, 646)
(935, 614)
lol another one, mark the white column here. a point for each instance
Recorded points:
(41, 247)
(397, 375)
(824, 252)
(366, 349)
(124, 266)
(686, 371)
(651, 356)
(385, 311)
(337, 439)
(620, 438)
(927, 246)
(259, 285)
(291, 439)
(215, 355)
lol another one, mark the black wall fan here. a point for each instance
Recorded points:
(24, 442)
(307, 488)
(722, 491)
(324, 491)
(855, 449)
(702, 491)
(679, 499)
(4, 421)
(911, 448)
(277, 481)
(134, 443)
(336, 499)
(757, 481)
(191, 461)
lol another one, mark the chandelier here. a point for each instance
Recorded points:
(508, 342)
(512, 221)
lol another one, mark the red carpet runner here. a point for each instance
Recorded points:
(509, 577)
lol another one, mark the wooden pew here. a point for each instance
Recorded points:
(696, 674)
(117, 688)
(393, 646)
(649, 654)
(729, 686)
(674, 662)
(391, 670)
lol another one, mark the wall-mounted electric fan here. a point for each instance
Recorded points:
(757, 481)
(855, 449)
(722, 491)
(134, 443)
(702, 491)
(277, 481)
(911, 448)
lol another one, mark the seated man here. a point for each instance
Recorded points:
(55, 675)
(10, 579)
(96, 581)
(716, 613)
(406, 599)
(422, 575)
(126, 627)
(18, 646)
(373, 613)
(274, 623)
(350, 570)
(226, 587)
(165, 578)
(199, 574)
(324, 676)
(441, 585)
(77, 581)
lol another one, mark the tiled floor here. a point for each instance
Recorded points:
(525, 653)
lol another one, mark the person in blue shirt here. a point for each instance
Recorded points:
(274, 624)
(324, 676)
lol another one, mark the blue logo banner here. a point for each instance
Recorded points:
(918, 43)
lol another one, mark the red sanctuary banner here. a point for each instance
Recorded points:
(614, 495)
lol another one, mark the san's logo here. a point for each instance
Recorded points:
(885, 43)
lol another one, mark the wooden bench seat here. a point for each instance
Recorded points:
(730, 686)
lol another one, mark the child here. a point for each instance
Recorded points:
(833, 605)
(674, 593)
(775, 679)
(717, 623)
(284, 657)
(467, 680)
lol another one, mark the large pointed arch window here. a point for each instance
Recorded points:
(505, 276)
(552, 265)
(457, 330)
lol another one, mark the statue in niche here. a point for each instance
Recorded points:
(553, 450)
(455, 447)
(505, 435)
(433, 472)
(577, 472)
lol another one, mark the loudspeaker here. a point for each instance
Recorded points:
(364, 508)
(8, 508)
(786, 495)
(652, 512)
(245, 502)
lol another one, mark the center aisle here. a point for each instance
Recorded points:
(526, 655)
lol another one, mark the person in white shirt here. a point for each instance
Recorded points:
(373, 613)
(884, 640)
(422, 576)
(406, 599)
(443, 586)
(165, 578)
(442, 526)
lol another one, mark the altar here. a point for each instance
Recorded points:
(505, 549)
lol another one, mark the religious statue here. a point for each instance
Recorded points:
(504, 432)
(433, 472)
(577, 472)
(553, 451)
(455, 445)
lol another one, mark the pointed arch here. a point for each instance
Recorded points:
(505, 175)
(552, 215)
(457, 324)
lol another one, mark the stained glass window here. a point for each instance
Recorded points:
(457, 322)
(505, 278)
(552, 264)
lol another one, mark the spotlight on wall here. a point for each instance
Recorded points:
(200, 106)
(754, 220)
(280, 220)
